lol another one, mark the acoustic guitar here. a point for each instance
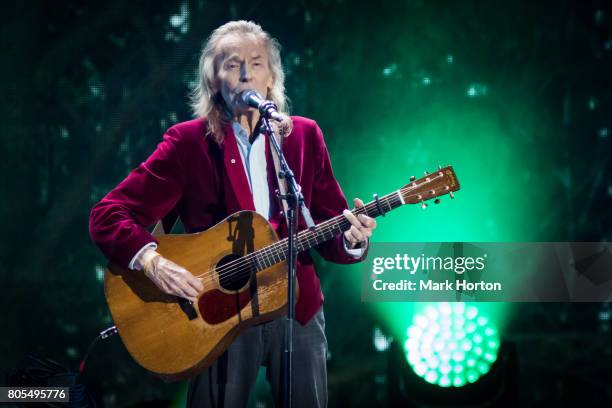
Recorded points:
(244, 274)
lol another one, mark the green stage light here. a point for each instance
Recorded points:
(451, 345)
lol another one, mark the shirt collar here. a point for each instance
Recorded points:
(241, 133)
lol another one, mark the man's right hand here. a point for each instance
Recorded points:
(171, 278)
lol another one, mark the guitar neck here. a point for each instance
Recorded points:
(443, 181)
(324, 231)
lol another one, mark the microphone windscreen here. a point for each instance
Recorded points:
(250, 97)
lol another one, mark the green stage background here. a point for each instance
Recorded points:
(514, 94)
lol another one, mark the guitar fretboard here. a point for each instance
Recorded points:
(323, 232)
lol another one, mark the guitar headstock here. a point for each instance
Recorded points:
(438, 183)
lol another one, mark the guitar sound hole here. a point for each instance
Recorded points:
(234, 276)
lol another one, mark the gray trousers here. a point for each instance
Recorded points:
(263, 345)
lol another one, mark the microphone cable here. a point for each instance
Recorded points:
(44, 372)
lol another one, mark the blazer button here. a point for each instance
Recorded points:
(233, 161)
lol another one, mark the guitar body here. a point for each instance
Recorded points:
(175, 339)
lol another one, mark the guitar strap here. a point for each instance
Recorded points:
(282, 183)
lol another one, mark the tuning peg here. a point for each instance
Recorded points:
(451, 195)
(439, 167)
(412, 178)
(427, 173)
(423, 205)
(437, 201)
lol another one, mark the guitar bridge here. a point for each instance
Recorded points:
(187, 308)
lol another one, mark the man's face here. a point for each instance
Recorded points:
(242, 63)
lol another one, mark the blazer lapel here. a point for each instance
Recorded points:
(235, 171)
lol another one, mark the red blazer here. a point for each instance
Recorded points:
(205, 182)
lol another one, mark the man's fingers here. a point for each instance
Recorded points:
(191, 292)
(358, 203)
(176, 280)
(356, 234)
(367, 221)
(361, 220)
(182, 282)
(192, 280)
(186, 292)
(196, 284)
(178, 290)
(187, 277)
(351, 217)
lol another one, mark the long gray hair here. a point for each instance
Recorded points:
(208, 103)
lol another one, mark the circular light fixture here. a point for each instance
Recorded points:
(451, 345)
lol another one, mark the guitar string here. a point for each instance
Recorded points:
(326, 227)
(247, 262)
(323, 228)
(272, 250)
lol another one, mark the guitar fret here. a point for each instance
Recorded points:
(252, 264)
(270, 259)
(325, 231)
(275, 254)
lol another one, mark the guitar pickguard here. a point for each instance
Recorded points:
(216, 306)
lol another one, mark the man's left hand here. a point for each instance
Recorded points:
(361, 228)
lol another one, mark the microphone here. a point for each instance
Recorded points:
(254, 99)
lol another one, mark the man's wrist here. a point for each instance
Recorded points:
(136, 262)
(358, 245)
(356, 253)
(147, 257)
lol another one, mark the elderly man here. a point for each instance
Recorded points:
(208, 168)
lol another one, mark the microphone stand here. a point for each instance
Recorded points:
(294, 199)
